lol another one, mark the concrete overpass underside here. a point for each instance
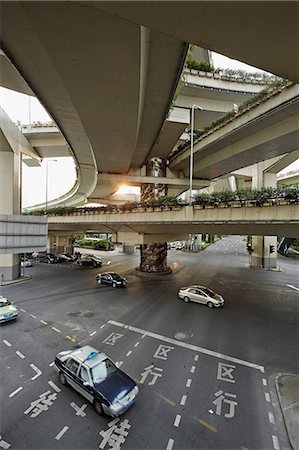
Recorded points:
(148, 227)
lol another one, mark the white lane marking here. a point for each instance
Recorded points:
(293, 287)
(3, 443)
(93, 333)
(183, 401)
(136, 345)
(275, 442)
(102, 326)
(32, 315)
(15, 392)
(6, 343)
(196, 358)
(53, 385)
(189, 381)
(61, 433)
(271, 417)
(265, 382)
(20, 354)
(143, 336)
(192, 369)
(23, 310)
(177, 420)
(170, 444)
(38, 372)
(52, 364)
(186, 345)
(267, 396)
(129, 353)
(119, 363)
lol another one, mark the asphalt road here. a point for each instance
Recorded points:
(203, 373)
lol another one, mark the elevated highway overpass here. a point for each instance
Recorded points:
(110, 96)
(107, 72)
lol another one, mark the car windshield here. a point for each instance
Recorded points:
(115, 276)
(102, 371)
(4, 302)
(209, 292)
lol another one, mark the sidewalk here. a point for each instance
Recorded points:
(287, 387)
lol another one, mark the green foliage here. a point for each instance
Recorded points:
(199, 65)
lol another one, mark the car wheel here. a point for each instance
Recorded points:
(210, 305)
(186, 299)
(98, 407)
(99, 281)
(114, 284)
(62, 378)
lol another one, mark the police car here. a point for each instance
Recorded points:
(96, 377)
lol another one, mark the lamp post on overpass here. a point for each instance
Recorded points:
(47, 165)
(191, 150)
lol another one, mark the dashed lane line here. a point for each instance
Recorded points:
(177, 421)
(6, 343)
(188, 346)
(61, 433)
(15, 392)
(53, 385)
(188, 383)
(170, 444)
(3, 443)
(293, 287)
(44, 322)
(275, 442)
(70, 338)
(56, 329)
(33, 316)
(183, 400)
(20, 354)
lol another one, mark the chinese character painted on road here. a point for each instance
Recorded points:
(224, 372)
(162, 351)
(115, 435)
(112, 338)
(221, 398)
(42, 404)
(155, 372)
(79, 410)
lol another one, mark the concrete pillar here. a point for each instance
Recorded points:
(10, 195)
(156, 167)
(264, 252)
(261, 256)
(153, 258)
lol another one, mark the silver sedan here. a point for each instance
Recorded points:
(201, 294)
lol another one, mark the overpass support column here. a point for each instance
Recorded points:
(156, 167)
(10, 195)
(264, 252)
(265, 247)
(153, 257)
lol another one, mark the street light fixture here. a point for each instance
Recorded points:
(47, 165)
(191, 150)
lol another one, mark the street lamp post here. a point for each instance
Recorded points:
(47, 164)
(191, 150)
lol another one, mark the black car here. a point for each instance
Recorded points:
(49, 258)
(89, 261)
(65, 257)
(96, 377)
(111, 278)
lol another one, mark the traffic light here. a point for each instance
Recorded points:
(249, 247)
(272, 248)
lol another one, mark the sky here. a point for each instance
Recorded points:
(23, 109)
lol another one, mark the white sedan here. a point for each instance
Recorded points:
(201, 294)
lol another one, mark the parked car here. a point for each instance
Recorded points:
(25, 262)
(7, 310)
(111, 278)
(201, 294)
(96, 377)
(90, 261)
(65, 257)
(49, 258)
